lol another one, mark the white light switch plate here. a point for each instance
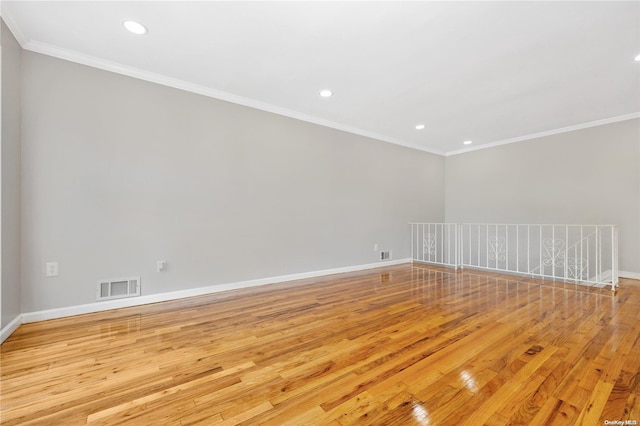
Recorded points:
(52, 269)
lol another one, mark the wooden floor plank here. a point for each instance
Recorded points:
(407, 344)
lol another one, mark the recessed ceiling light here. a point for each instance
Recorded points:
(135, 27)
(467, 142)
(419, 126)
(637, 58)
(326, 93)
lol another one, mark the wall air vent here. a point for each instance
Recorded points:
(385, 255)
(118, 288)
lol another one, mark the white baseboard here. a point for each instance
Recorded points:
(174, 295)
(10, 328)
(181, 294)
(627, 274)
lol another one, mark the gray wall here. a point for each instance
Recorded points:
(10, 177)
(120, 173)
(590, 176)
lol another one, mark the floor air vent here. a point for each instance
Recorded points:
(118, 288)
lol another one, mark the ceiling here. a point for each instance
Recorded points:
(489, 72)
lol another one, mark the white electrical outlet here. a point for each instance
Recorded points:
(375, 247)
(161, 266)
(52, 269)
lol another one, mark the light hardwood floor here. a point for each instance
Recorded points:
(401, 345)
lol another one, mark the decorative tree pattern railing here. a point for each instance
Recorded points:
(583, 254)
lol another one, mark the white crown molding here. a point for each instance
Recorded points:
(15, 30)
(95, 62)
(548, 133)
(181, 294)
(10, 328)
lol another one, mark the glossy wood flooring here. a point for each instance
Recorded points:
(401, 345)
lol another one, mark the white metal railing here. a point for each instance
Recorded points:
(435, 243)
(584, 254)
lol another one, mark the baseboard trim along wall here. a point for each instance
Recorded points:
(181, 294)
(627, 274)
(10, 328)
(174, 295)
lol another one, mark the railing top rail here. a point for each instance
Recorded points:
(433, 223)
(539, 224)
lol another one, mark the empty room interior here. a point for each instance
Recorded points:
(310, 213)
